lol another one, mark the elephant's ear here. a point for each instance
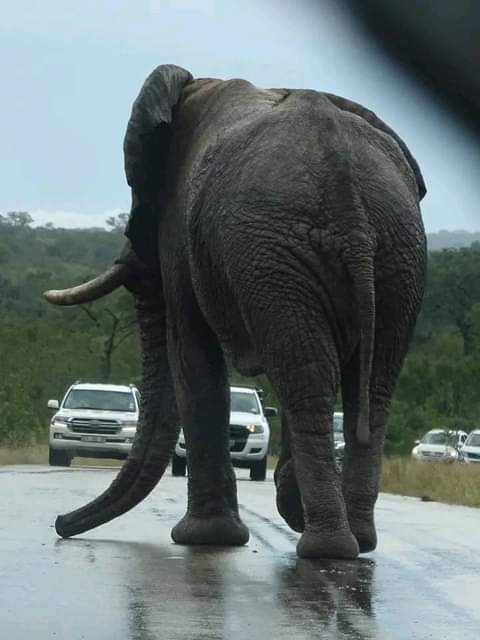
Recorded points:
(146, 150)
(374, 120)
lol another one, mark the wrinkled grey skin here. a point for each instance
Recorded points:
(281, 228)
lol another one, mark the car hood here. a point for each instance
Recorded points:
(244, 418)
(95, 414)
(470, 449)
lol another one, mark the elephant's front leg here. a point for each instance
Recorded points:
(204, 405)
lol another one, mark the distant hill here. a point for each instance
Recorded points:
(452, 239)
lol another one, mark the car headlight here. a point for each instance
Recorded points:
(453, 453)
(414, 451)
(59, 420)
(255, 428)
(129, 423)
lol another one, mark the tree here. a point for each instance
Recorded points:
(115, 324)
(117, 223)
(19, 218)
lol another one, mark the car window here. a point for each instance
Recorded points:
(246, 402)
(441, 437)
(99, 400)
(473, 440)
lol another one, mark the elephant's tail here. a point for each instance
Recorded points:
(362, 274)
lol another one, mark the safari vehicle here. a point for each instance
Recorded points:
(338, 437)
(471, 449)
(93, 421)
(249, 434)
(439, 445)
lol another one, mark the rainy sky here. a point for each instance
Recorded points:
(70, 71)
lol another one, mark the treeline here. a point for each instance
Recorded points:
(44, 348)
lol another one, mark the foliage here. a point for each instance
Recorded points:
(44, 349)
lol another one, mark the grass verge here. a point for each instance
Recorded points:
(449, 483)
(24, 455)
(39, 455)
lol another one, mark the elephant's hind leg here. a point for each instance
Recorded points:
(302, 363)
(397, 310)
(289, 500)
(203, 398)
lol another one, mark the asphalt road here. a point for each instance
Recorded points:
(127, 580)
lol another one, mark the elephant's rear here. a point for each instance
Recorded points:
(307, 201)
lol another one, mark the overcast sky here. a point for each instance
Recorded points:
(70, 71)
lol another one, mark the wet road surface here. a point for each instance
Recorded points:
(128, 581)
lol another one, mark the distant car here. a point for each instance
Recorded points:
(471, 448)
(93, 421)
(338, 437)
(249, 434)
(439, 445)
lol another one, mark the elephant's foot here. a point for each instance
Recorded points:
(340, 545)
(289, 502)
(217, 530)
(360, 513)
(364, 531)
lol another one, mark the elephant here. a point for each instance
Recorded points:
(279, 230)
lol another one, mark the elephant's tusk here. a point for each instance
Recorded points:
(92, 290)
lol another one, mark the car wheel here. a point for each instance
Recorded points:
(258, 470)
(59, 458)
(179, 465)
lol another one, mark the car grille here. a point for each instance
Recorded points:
(238, 437)
(238, 445)
(433, 454)
(238, 432)
(91, 425)
(474, 456)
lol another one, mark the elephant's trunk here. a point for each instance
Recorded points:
(157, 433)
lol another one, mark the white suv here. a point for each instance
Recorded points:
(471, 449)
(249, 434)
(93, 421)
(439, 445)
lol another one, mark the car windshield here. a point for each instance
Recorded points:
(338, 424)
(100, 400)
(473, 440)
(246, 402)
(439, 437)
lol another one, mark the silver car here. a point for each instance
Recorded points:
(93, 421)
(439, 445)
(471, 449)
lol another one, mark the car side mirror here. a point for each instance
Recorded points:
(270, 412)
(53, 404)
(417, 441)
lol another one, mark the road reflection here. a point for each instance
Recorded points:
(181, 593)
(334, 597)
